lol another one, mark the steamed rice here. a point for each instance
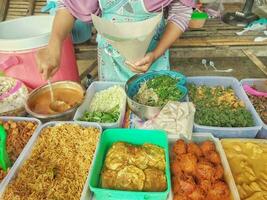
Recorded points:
(58, 165)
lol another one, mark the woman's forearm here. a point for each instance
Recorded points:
(62, 26)
(171, 34)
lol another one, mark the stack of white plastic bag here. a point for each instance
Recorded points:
(174, 118)
(13, 95)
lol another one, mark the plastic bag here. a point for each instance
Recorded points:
(174, 118)
(215, 9)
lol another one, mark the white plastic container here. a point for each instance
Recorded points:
(17, 119)
(228, 132)
(86, 194)
(95, 87)
(263, 131)
(201, 137)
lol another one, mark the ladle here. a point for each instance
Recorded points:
(57, 105)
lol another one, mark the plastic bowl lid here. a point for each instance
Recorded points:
(199, 15)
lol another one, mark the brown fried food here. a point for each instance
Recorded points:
(155, 180)
(117, 156)
(179, 196)
(207, 146)
(179, 147)
(130, 178)
(108, 178)
(156, 156)
(176, 168)
(205, 171)
(214, 157)
(219, 172)
(176, 184)
(188, 163)
(205, 185)
(138, 157)
(197, 194)
(187, 184)
(219, 191)
(194, 148)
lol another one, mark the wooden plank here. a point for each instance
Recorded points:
(31, 7)
(3, 9)
(225, 41)
(256, 61)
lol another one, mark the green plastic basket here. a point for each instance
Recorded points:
(132, 136)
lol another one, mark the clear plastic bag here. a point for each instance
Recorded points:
(215, 8)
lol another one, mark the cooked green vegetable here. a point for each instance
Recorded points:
(158, 91)
(111, 116)
(218, 106)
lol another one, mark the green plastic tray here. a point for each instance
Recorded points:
(132, 136)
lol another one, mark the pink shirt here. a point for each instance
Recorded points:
(179, 10)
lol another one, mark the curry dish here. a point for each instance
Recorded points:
(41, 102)
(248, 162)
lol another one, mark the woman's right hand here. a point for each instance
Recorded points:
(48, 61)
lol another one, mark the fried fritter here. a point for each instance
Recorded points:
(156, 156)
(180, 197)
(205, 185)
(130, 178)
(117, 156)
(197, 194)
(138, 157)
(219, 172)
(214, 157)
(194, 148)
(188, 163)
(205, 170)
(155, 180)
(179, 147)
(219, 191)
(207, 146)
(187, 184)
(108, 178)
(176, 184)
(176, 168)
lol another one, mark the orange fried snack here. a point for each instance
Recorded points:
(188, 163)
(197, 172)
(194, 148)
(207, 146)
(219, 191)
(213, 157)
(179, 147)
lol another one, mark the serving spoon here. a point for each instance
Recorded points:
(57, 105)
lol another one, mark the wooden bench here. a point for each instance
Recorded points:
(216, 41)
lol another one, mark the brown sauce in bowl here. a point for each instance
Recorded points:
(41, 102)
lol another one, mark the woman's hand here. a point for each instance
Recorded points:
(144, 64)
(48, 61)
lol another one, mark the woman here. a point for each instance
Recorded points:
(112, 66)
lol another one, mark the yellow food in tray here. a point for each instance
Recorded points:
(134, 168)
(248, 162)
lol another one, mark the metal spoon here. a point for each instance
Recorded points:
(57, 105)
(219, 70)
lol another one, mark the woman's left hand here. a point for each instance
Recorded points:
(144, 64)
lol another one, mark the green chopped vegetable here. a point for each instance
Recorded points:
(219, 107)
(158, 91)
(111, 116)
